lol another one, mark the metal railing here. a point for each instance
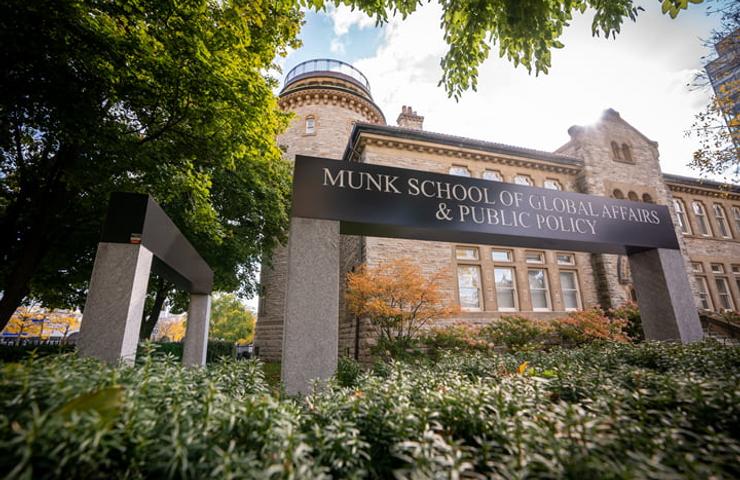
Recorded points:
(327, 65)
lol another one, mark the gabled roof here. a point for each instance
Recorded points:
(455, 141)
(701, 183)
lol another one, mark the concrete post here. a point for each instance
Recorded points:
(666, 301)
(311, 329)
(196, 335)
(115, 302)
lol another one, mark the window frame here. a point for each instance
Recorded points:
(509, 256)
(463, 247)
(720, 216)
(496, 172)
(705, 228)
(702, 284)
(577, 290)
(514, 289)
(682, 216)
(481, 300)
(548, 298)
(528, 179)
(465, 167)
(728, 293)
(541, 254)
(310, 130)
(571, 255)
(553, 181)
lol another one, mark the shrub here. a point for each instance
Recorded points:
(460, 337)
(630, 312)
(348, 371)
(589, 326)
(16, 353)
(516, 332)
(607, 410)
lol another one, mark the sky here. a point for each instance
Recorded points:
(643, 74)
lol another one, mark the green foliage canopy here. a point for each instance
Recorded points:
(231, 320)
(174, 99)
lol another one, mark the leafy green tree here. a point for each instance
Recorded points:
(525, 31)
(231, 320)
(174, 99)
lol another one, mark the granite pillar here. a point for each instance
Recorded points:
(196, 335)
(666, 301)
(115, 302)
(311, 329)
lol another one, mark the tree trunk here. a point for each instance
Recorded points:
(149, 321)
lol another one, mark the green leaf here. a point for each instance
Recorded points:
(106, 402)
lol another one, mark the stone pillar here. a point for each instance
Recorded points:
(115, 302)
(196, 335)
(666, 301)
(311, 331)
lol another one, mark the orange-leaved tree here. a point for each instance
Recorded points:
(397, 298)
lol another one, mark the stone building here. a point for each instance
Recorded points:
(335, 117)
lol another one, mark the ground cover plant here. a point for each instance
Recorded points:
(604, 410)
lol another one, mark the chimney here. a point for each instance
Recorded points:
(408, 118)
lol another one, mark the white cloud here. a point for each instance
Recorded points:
(345, 18)
(642, 74)
(337, 46)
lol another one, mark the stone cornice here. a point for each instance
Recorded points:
(457, 152)
(706, 192)
(332, 96)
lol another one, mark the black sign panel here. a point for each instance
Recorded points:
(381, 201)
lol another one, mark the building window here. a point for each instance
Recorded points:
(534, 257)
(718, 268)
(523, 180)
(459, 171)
(701, 218)
(736, 271)
(723, 292)
(566, 259)
(626, 153)
(551, 184)
(505, 281)
(617, 193)
(705, 301)
(466, 253)
(492, 175)
(468, 279)
(647, 198)
(697, 267)
(538, 289)
(683, 222)
(615, 151)
(310, 125)
(570, 290)
(633, 196)
(736, 214)
(721, 218)
(502, 255)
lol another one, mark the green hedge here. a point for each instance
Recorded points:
(216, 350)
(601, 411)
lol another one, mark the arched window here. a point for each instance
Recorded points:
(617, 193)
(552, 184)
(459, 170)
(633, 196)
(523, 180)
(721, 218)
(310, 125)
(626, 153)
(701, 218)
(493, 175)
(647, 198)
(683, 222)
(615, 151)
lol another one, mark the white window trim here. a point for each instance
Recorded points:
(720, 216)
(701, 218)
(510, 252)
(579, 302)
(681, 216)
(514, 290)
(481, 300)
(547, 291)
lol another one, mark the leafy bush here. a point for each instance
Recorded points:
(588, 326)
(605, 410)
(516, 333)
(631, 313)
(16, 353)
(460, 337)
(348, 371)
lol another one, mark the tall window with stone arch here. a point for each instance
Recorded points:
(615, 151)
(626, 153)
(310, 125)
(683, 222)
(459, 170)
(700, 214)
(736, 214)
(617, 193)
(721, 219)
(523, 180)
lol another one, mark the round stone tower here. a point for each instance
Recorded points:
(327, 97)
